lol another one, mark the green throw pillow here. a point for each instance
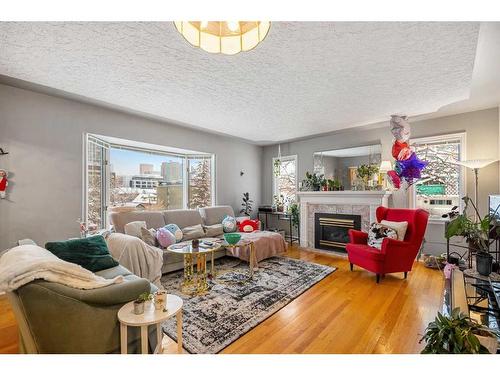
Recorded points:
(91, 253)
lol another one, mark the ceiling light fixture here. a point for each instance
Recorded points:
(228, 38)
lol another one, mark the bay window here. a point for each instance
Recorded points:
(120, 176)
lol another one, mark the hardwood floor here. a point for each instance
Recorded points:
(347, 312)
(8, 328)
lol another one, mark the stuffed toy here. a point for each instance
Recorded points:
(248, 226)
(229, 224)
(165, 237)
(175, 230)
(3, 183)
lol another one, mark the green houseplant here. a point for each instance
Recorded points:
(476, 231)
(456, 334)
(294, 212)
(313, 182)
(334, 185)
(247, 205)
(365, 172)
(279, 202)
(140, 301)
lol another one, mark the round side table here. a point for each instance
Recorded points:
(150, 316)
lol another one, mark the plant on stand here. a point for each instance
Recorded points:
(247, 205)
(476, 231)
(458, 334)
(294, 212)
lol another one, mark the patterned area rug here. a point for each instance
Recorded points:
(232, 307)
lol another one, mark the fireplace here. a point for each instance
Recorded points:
(330, 230)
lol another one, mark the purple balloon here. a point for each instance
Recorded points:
(412, 168)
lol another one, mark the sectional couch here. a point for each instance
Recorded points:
(186, 218)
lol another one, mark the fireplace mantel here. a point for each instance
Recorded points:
(359, 202)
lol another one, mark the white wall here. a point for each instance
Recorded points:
(43, 135)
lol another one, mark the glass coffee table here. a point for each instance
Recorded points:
(195, 283)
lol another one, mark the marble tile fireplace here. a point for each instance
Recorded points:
(359, 204)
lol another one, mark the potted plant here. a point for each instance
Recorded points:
(313, 182)
(365, 172)
(294, 212)
(458, 334)
(247, 205)
(277, 167)
(140, 301)
(324, 185)
(279, 202)
(476, 231)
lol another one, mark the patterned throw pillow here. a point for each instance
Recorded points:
(399, 226)
(377, 233)
(229, 224)
(175, 230)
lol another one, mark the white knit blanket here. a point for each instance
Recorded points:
(138, 257)
(23, 264)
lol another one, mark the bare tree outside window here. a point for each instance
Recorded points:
(440, 188)
(200, 183)
(95, 180)
(285, 184)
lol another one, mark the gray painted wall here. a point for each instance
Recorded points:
(482, 128)
(44, 135)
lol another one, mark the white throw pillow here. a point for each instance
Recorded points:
(399, 226)
(134, 228)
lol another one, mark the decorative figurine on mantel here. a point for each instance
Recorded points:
(3, 183)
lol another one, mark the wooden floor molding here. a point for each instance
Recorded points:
(347, 312)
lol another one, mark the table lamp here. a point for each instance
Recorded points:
(385, 166)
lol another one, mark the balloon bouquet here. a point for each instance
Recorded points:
(408, 166)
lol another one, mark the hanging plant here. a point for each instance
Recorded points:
(277, 167)
(277, 163)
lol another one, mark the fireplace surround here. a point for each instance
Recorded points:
(331, 230)
(347, 202)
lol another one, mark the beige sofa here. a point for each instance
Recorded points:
(183, 218)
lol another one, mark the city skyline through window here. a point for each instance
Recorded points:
(124, 178)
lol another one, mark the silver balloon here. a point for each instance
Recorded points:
(400, 128)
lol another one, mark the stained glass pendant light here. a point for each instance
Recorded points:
(228, 38)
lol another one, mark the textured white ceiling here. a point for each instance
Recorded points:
(305, 78)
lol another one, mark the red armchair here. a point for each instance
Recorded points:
(395, 256)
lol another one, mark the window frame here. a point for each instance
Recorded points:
(462, 137)
(89, 137)
(288, 157)
(105, 193)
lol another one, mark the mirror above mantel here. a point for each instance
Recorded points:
(341, 165)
